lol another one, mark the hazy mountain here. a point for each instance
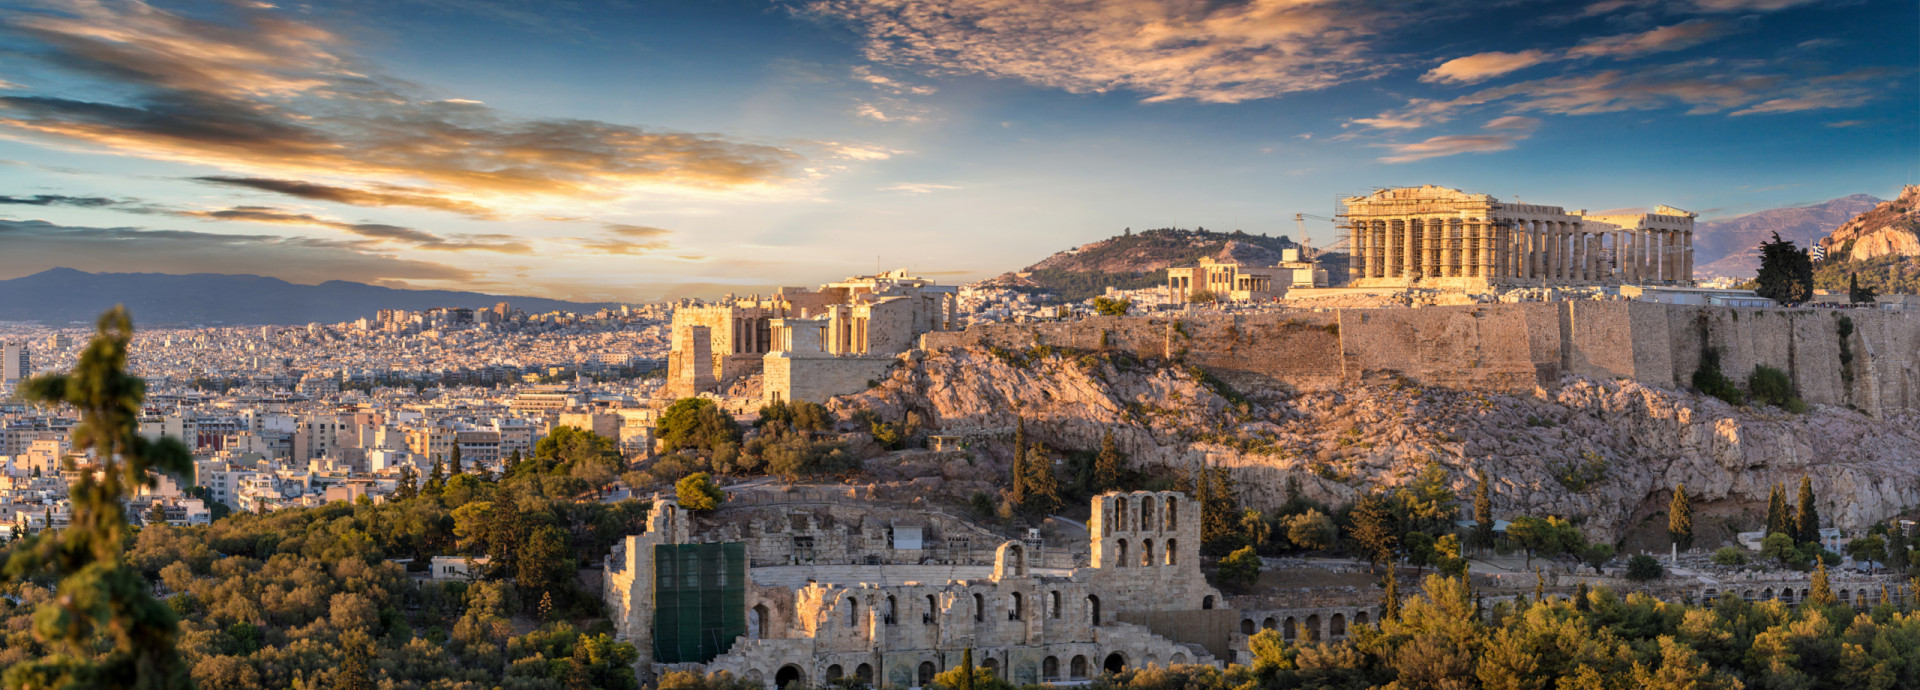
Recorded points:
(1730, 247)
(64, 295)
(1890, 228)
(1138, 260)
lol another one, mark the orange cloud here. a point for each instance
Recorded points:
(271, 96)
(1166, 49)
(1483, 66)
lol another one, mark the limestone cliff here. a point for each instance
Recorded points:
(1604, 452)
(1890, 228)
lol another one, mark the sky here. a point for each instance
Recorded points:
(630, 150)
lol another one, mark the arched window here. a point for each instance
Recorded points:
(1116, 662)
(1246, 626)
(1337, 626)
(992, 666)
(1270, 624)
(933, 611)
(1053, 604)
(1360, 618)
(1120, 511)
(1206, 603)
(864, 672)
(1313, 628)
(834, 673)
(1077, 669)
(1146, 514)
(1173, 513)
(1146, 553)
(893, 611)
(925, 677)
(1121, 550)
(979, 608)
(1173, 553)
(1093, 609)
(1289, 629)
(1018, 611)
(758, 622)
(853, 612)
(1050, 669)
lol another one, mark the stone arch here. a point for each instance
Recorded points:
(1120, 511)
(1270, 624)
(1115, 663)
(1360, 618)
(1786, 595)
(1747, 595)
(925, 676)
(1050, 669)
(1803, 594)
(992, 666)
(979, 608)
(1173, 557)
(1178, 659)
(1150, 662)
(1121, 545)
(1289, 629)
(1093, 609)
(1767, 593)
(893, 610)
(864, 673)
(757, 622)
(1010, 560)
(1077, 669)
(1313, 628)
(1173, 513)
(1337, 626)
(1146, 514)
(1053, 604)
(1146, 553)
(853, 612)
(1247, 626)
(933, 611)
(789, 675)
(834, 673)
(1205, 602)
(1019, 610)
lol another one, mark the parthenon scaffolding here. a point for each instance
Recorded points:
(1432, 236)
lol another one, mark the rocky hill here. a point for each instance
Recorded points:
(1604, 453)
(1891, 228)
(1137, 260)
(1730, 247)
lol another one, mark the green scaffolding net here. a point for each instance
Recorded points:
(699, 595)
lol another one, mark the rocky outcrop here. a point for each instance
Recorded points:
(1890, 228)
(1593, 451)
(1730, 247)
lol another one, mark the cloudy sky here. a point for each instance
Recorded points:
(629, 149)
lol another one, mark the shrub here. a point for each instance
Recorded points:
(1240, 568)
(697, 492)
(1773, 387)
(1642, 568)
(1729, 556)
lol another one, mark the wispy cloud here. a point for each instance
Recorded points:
(418, 239)
(275, 98)
(1164, 49)
(917, 187)
(1484, 66)
(1501, 134)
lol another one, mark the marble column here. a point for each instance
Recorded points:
(1686, 254)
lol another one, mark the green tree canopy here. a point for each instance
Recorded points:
(1786, 272)
(697, 492)
(696, 423)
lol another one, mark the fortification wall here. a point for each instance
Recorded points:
(1511, 347)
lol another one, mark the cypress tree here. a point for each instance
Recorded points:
(1539, 584)
(1483, 513)
(1017, 494)
(1580, 598)
(1680, 519)
(105, 629)
(965, 681)
(454, 462)
(1372, 529)
(1390, 604)
(1106, 467)
(436, 479)
(1043, 487)
(1807, 521)
(1777, 511)
(1822, 592)
(409, 484)
(513, 461)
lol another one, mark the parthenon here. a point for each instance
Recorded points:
(1432, 236)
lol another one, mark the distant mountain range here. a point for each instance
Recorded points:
(63, 295)
(1730, 247)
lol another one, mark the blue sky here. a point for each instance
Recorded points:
(631, 150)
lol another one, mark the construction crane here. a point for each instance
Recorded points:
(1300, 219)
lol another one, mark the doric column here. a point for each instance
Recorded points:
(1572, 264)
(1407, 249)
(1686, 253)
(1580, 252)
(1536, 249)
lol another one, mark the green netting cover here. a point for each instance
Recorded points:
(700, 600)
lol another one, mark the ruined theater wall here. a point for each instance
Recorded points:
(1512, 347)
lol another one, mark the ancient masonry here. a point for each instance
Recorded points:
(890, 612)
(1438, 237)
(1866, 359)
(809, 345)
